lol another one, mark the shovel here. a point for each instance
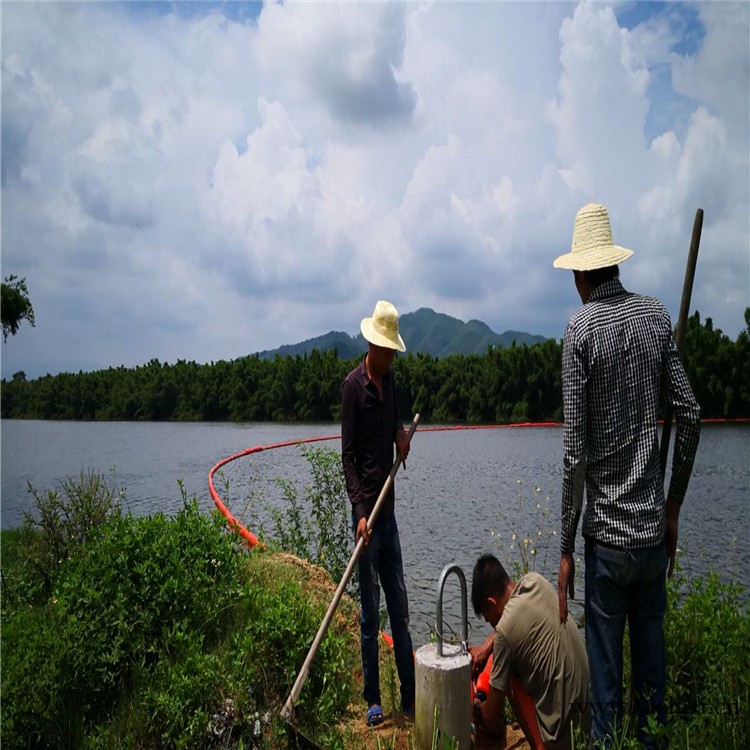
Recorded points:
(287, 712)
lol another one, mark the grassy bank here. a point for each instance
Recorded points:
(158, 632)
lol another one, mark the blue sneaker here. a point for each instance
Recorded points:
(374, 715)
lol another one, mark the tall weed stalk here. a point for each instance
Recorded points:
(315, 521)
(526, 537)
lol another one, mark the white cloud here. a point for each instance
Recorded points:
(229, 186)
(344, 56)
(718, 75)
(601, 108)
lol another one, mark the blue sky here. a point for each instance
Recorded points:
(205, 180)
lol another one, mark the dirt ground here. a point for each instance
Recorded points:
(397, 733)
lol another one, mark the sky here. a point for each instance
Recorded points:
(201, 181)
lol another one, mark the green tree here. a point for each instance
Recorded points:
(514, 384)
(16, 305)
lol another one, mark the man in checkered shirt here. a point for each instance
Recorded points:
(619, 362)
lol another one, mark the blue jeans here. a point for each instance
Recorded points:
(624, 584)
(381, 564)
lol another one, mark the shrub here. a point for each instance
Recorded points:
(164, 632)
(62, 523)
(317, 525)
(707, 633)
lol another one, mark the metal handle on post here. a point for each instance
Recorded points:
(447, 570)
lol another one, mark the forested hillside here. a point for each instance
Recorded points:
(519, 383)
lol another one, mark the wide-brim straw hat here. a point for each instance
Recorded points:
(592, 242)
(382, 328)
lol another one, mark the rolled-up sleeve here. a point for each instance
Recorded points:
(502, 663)
(574, 376)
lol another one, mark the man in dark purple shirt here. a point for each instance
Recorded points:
(370, 426)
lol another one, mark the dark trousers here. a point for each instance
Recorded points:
(381, 564)
(624, 584)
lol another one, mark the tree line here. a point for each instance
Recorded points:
(504, 385)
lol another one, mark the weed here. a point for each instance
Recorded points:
(64, 521)
(526, 533)
(707, 635)
(315, 523)
(292, 527)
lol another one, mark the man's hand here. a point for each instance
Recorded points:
(670, 533)
(362, 531)
(478, 718)
(402, 445)
(565, 584)
(480, 654)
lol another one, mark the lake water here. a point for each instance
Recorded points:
(464, 492)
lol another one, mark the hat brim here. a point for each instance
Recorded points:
(377, 338)
(593, 258)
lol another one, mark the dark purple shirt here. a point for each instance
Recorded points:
(368, 433)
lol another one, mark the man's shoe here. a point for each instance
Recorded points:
(374, 715)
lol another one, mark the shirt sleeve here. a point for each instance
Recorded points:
(687, 412)
(574, 377)
(502, 664)
(348, 449)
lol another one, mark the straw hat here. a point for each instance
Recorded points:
(592, 242)
(382, 328)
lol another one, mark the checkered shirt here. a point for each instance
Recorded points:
(619, 361)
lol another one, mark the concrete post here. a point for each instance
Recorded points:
(443, 676)
(443, 685)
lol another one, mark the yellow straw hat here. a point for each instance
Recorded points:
(382, 328)
(592, 242)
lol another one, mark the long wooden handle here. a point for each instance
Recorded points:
(287, 710)
(687, 291)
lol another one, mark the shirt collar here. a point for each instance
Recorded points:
(366, 377)
(363, 369)
(610, 288)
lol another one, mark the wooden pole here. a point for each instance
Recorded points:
(687, 291)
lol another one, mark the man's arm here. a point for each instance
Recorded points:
(480, 654)
(574, 377)
(489, 713)
(680, 396)
(348, 449)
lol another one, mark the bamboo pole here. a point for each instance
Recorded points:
(687, 291)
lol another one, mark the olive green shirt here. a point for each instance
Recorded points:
(546, 656)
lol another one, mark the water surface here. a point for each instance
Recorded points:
(463, 493)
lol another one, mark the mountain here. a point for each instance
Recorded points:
(347, 346)
(424, 331)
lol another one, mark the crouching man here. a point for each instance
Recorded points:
(538, 663)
